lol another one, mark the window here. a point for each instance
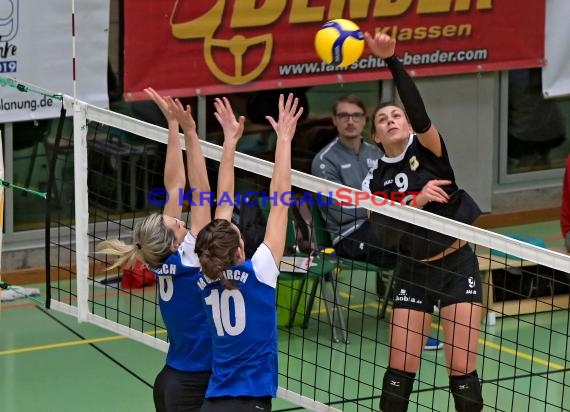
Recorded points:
(537, 128)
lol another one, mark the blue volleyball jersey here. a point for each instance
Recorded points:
(243, 324)
(181, 307)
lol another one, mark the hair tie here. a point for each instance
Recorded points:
(139, 246)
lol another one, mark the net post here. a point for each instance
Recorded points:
(81, 209)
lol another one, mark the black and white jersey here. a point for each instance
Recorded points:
(407, 174)
(410, 171)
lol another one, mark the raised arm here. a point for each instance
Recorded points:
(233, 130)
(280, 187)
(196, 166)
(174, 177)
(384, 46)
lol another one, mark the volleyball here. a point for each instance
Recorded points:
(339, 42)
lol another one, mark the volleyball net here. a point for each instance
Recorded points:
(333, 319)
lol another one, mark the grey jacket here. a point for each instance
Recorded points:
(338, 163)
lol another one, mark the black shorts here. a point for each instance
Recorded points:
(447, 281)
(179, 391)
(366, 245)
(237, 404)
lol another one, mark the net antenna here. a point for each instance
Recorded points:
(73, 49)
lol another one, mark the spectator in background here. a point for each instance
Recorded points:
(565, 209)
(346, 160)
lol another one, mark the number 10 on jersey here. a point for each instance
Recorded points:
(222, 305)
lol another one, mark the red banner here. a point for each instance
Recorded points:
(191, 47)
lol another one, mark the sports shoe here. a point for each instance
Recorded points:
(433, 344)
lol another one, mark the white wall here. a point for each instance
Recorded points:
(465, 110)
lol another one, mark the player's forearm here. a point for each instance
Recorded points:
(410, 96)
(281, 178)
(174, 166)
(226, 182)
(196, 164)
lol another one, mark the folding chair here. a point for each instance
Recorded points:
(321, 272)
(323, 240)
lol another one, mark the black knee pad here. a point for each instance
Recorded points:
(396, 390)
(466, 390)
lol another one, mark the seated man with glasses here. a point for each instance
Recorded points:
(346, 160)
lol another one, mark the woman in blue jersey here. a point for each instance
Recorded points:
(164, 243)
(239, 294)
(431, 267)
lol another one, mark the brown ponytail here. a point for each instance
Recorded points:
(216, 245)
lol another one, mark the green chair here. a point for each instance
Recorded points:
(323, 240)
(321, 272)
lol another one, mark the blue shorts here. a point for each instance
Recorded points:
(453, 279)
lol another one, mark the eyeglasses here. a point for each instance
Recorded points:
(355, 116)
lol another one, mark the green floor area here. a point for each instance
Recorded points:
(548, 231)
(48, 361)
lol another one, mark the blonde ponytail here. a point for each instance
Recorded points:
(153, 243)
(126, 254)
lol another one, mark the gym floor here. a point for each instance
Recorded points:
(50, 362)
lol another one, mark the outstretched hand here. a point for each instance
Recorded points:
(181, 114)
(288, 116)
(432, 191)
(161, 102)
(232, 127)
(381, 44)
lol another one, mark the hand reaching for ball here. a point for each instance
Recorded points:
(380, 44)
